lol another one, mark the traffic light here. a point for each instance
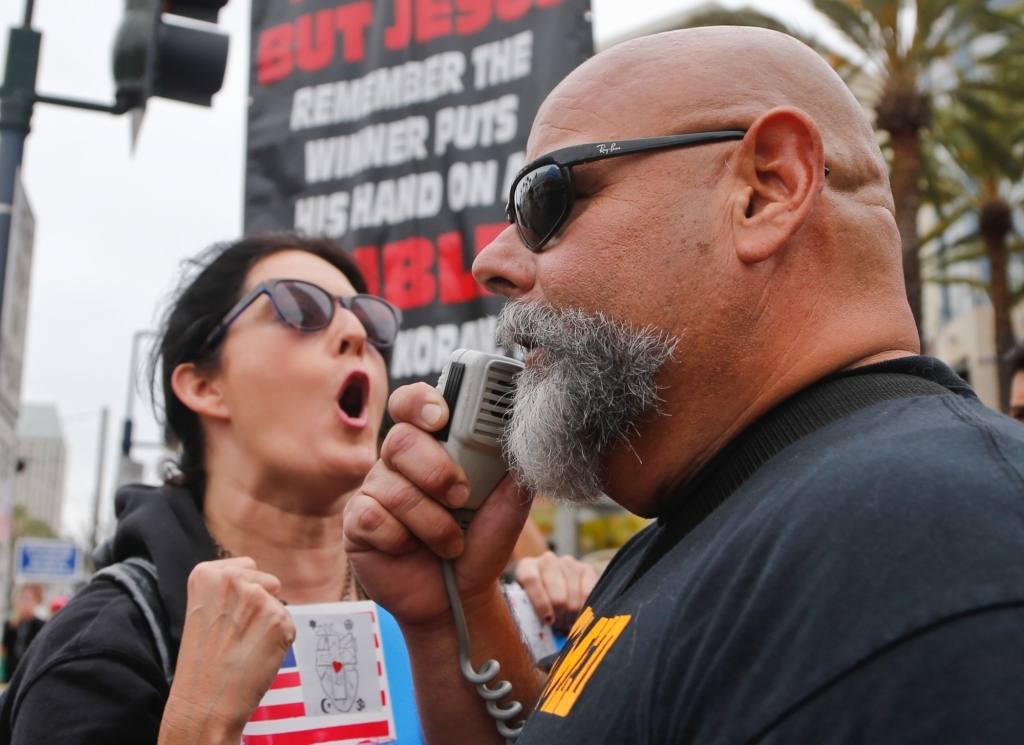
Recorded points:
(202, 10)
(169, 49)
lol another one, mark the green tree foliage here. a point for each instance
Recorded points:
(30, 527)
(975, 182)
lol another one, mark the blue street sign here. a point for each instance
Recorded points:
(47, 560)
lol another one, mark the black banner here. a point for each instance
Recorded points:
(394, 127)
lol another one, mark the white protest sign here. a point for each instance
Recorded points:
(333, 684)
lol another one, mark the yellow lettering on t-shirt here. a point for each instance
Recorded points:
(588, 643)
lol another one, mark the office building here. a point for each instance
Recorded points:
(41, 455)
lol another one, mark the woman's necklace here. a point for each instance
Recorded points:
(350, 577)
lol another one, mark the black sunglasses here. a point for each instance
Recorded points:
(308, 307)
(542, 193)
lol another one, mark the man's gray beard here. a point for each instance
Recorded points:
(589, 385)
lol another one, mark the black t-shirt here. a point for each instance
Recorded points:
(865, 585)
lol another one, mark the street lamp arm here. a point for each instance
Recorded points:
(115, 108)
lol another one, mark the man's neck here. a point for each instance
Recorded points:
(889, 354)
(700, 420)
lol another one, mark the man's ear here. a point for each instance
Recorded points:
(779, 172)
(199, 391)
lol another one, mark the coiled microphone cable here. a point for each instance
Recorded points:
(487, 672)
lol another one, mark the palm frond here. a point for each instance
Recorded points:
(855, 25)
(719, 16)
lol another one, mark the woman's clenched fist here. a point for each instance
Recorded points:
(236, 635)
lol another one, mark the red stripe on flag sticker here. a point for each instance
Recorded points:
(382, 701)
(327, 734)
(279, 711)
(380, 670)
(375, 642)
(286, 680)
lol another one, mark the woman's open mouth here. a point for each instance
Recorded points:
(353, 399)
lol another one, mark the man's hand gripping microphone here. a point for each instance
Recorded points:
(478, 388)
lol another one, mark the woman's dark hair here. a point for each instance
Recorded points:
(213, 282)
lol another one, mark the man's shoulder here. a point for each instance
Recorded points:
(927, 492)
(930, 489)
(913, 452)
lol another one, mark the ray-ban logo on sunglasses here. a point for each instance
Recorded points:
(605, 149)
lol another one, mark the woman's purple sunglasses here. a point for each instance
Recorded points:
(307, 307)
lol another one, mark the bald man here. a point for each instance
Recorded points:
(717, 336)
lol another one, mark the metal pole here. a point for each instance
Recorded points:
(17, 97)
(125, 472)
(100, 458)
(129, 407)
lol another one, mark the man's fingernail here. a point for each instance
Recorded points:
(458, 495)
(431, 414)
(454, 548)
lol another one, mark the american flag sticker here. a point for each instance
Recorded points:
(332, 686)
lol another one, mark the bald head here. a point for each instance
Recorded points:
(720, 77)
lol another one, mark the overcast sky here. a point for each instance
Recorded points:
(112, 228)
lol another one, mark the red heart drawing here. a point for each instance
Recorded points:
(337, 666)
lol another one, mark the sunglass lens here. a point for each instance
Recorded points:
(541, 201)
(380, 319)
(303, 305)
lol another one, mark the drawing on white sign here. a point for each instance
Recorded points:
(336, 665)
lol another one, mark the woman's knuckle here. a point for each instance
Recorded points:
(289, 634)
(281, 619)
(254, 595)
(199, 576)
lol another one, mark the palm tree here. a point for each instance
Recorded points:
(903, 54)
(974, 182)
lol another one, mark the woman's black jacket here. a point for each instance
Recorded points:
(93, 674)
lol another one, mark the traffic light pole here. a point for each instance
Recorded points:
(17, 98)
(150, 58)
